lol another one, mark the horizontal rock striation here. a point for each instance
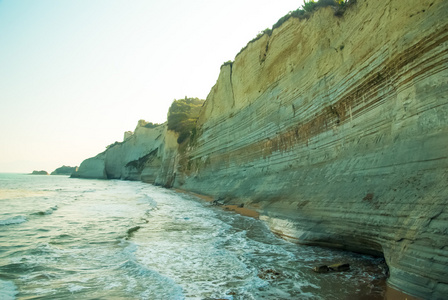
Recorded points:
(92, 168)
(140, 156)
(336, 130)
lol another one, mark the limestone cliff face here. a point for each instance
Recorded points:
(336, 130)
(93, 168)
(160, 169)
(138, 157)
(125, 160)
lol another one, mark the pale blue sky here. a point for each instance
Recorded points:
(76, 74)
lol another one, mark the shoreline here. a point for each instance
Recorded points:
(390, 292)
(247, 212)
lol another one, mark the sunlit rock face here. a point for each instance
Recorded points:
(93, 168)
(160, 166)
(128, 159)
(335, 129)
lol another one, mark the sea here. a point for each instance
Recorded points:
(65, 238)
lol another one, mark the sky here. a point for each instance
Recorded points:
(76, 74)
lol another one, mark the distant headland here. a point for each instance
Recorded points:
(64, 170)
(41, 172)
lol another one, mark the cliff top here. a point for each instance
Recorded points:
(64, 170)
(304, 12)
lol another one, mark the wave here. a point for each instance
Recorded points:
(8, 290)
(161, 287)
(150, 201)
(46, 212)
(14, 220)
(75, 288)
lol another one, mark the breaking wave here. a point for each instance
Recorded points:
(14, 220)
(128, 240)
(46, 212)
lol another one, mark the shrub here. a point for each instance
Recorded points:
(229, 62)
(309, 6)
(298, 13)
(342, 6)
(182, 116)
(113, 145)
(267, 31)
(281, 21)
(143, 123)
(323, 3)
(152, 125)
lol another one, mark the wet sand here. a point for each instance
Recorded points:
(235, 208)
(394, 294)
(203, 197)
(242, 211)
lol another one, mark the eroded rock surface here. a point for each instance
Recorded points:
(139, 157)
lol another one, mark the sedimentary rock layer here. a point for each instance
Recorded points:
(141, 156)
(336, 130)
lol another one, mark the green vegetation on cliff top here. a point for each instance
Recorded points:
(182, 116)
(146, 124)
(64, 170)
(304, 12)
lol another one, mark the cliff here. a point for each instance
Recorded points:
(64, 170)
(128, 159)
(335, 129)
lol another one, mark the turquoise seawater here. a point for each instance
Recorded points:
(63, 238)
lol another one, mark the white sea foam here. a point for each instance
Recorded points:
(42, 291)
(73, 288)
(160, 284)
(150, 201)
(8, 290)
(184, 249)
(112, 285)
(13, 220)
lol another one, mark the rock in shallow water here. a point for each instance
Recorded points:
(339, 267)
